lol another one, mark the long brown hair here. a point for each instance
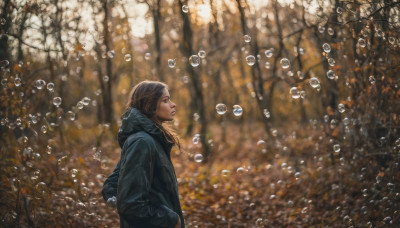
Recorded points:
(145, 97)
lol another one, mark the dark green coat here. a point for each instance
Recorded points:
(147, 190)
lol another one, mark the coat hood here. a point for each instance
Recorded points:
(134, 121)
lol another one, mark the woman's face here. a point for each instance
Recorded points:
(165, 108)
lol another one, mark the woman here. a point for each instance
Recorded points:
(144, 179)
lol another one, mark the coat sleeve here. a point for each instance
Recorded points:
(111, 183)
(134, 201)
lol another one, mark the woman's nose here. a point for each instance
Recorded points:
(173, 105)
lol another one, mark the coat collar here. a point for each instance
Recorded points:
(134, 121)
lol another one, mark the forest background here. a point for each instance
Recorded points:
(288, 111)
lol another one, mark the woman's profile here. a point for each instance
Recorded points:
(144, 180)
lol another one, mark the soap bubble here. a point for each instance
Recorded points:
(106, 78)
(185, 9)
(392, 40)
(269, 53)
(341, 108)
(339, 10)
(285, 63)
(237, 110)
(326, 47)
(330, 74)
(247, 38)
(336, 148)
(361, 42)
(331, 31)
(111, 54)
(267, 113)
(251, 60)
(71, 115)
(128, 57)
(39, 84)
(225, 172)
(295, 92)
(50, 86)
(3, 21)
(202, 54)
(196, 139)
(17, 82)
(267, 65)
(194, 60)
(259, 222)
(44, 129)
(221, 108)
(79, 105)
(331, 62)
(57, 101)
(241, 170)
(41, 187)
(372, 79)
(321, 29)
(112, 202)
(314, 82)
(86, 101)
(147, 56)
(198, 158)
(171, 63)
(74, 172)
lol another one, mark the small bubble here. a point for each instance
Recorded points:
(267, 113)
(2, 21)
(297, 175)
(112, 202)
(185, 9)
(17, 81)
(196, 139)
(241, 171)
(247, 38)
(74, 172)
(198, 158)
(372, 80)
(285, 63)
(202, 54)
(171, 63)
(341, 108)
(50, 86)
(339, 10)
(321, 29)
(331, 62)
(269, 53)
(392, 40)
(295, 92)
(194, 60)
(40, 84)
(44, 129)
(237, 110)
(267, 65)
(79, 105)
(331, 31)
(326, 47)
(225, 172)
(260, 222)
(330, 74)
(111, 54)
(71, 115)
(221, 108)
(128, 57)
(251, 60)
(387, 220)
(86, 101)
(314, 82)
(336, 148)
(147, 56)
(361, 42)
(106, 78)
(57, 101)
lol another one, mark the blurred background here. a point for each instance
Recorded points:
(287, 110)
